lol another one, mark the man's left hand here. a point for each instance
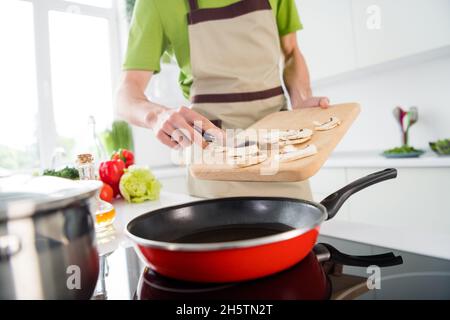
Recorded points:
(322, 102)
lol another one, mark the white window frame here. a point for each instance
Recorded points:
(47, 135)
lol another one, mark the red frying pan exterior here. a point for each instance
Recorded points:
(230, 265)
(304, 281)
(246, 262)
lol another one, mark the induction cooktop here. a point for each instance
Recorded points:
(336, 269)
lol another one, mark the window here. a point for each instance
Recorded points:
(59, 64)
(81, 77)
(19, 111)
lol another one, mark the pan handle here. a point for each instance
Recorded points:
(335, 200)
(329, 252)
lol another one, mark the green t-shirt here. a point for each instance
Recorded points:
(160, 26)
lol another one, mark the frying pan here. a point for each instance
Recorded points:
(164, 240)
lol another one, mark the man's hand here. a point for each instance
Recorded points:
(174, 128)
(182, 127)
(296, 76)
(322, 102)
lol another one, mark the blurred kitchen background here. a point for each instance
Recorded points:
(60, 64)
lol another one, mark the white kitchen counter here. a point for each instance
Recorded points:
(435, 245)
(347, 159)
(373, 159)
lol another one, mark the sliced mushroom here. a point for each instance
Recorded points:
(250, 149)
(294, 141)
(295, 134)
(309, 150)
(288, 148)
(218, 148)
(327, 125)
(270, 137)
(247, 161)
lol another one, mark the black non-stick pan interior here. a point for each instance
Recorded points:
(226, 219)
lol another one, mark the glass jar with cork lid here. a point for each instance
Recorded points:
(86, 168)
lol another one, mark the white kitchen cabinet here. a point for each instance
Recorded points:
(327, 181)
(344, 36)
(327, 38)
(416, 200)
(385, 30)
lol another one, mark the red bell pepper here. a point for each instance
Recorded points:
(110, 172)
(125, 155)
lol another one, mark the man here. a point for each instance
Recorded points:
(229, 55)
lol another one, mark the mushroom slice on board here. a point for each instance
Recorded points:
(288, 148)
(295, 134)
(327, 125)
(247, 161)
(250, 148)
(309, 150)
(270, 137)
(294, 141)
(216, 148)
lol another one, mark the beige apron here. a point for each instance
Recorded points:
(235, 59)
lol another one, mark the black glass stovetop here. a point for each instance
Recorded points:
(314, 278)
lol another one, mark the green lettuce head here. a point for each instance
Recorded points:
(138, 184)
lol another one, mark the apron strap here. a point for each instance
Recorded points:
(193, 5)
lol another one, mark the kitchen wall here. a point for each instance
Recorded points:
(381, 53)
(425, 85)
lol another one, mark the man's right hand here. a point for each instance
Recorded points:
(175, 128)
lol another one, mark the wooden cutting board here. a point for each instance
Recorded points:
(297, 170)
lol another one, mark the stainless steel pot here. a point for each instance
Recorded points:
(47, 239)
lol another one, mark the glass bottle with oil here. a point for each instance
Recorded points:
(104, 211)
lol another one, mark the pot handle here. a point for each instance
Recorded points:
(380, 260)
(335, 200)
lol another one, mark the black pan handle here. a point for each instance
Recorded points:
(334, 201)
(380, 260)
